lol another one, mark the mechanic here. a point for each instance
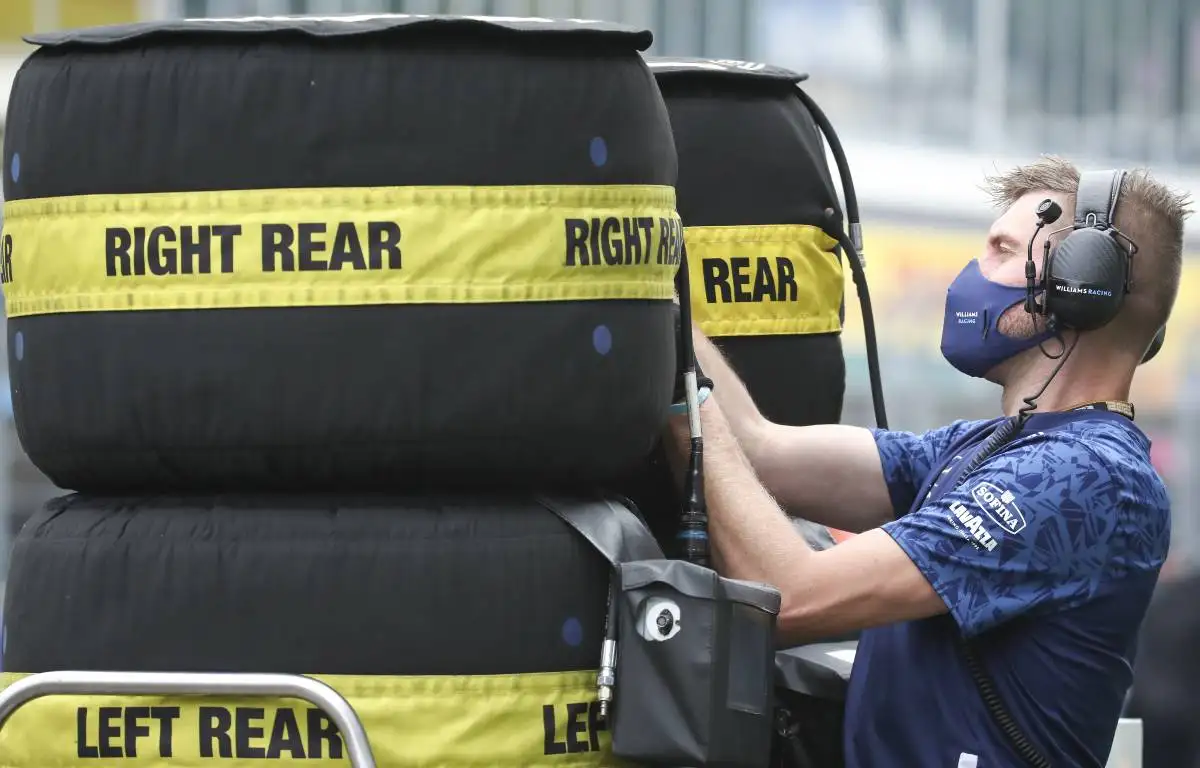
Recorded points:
(1041, 557)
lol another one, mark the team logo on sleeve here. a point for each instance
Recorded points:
(971, 526)
(1000, 505)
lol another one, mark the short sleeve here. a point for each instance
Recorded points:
(1031, 530)
(908, 458)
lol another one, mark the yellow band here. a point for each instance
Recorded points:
(323, 247)
(494, 721)
(764, 280)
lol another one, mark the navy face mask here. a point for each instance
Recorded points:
(971, 342)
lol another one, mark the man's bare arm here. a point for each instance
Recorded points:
(830, 474)
(867, 581)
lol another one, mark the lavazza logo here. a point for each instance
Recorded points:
(971, 524)
(1000, 506)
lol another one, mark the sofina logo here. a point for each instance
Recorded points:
(1000, 505)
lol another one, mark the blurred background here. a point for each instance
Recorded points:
(928, 96)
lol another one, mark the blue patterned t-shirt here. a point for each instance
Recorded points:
(1046, 555)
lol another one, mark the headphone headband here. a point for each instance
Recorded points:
(1096, 200)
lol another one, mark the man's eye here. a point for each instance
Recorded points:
(1006, 246)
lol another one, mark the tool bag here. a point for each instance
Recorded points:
(695, 651)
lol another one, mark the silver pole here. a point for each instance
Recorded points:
(358, 749)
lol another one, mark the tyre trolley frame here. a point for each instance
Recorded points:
(354, 736)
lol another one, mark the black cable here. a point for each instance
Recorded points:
(853, 247)
(839, 156)
(868, 316)
(1031, 305)
(1003, 434)
(693, 523)
(987, 691)
(999, 438)
(606, 677)
(1031, 401)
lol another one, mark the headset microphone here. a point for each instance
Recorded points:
(1048, 212)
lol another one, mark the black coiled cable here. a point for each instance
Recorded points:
(1031, 401)
(1005, 432)
(1000, 716)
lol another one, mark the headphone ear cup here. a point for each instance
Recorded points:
(1155, 344)
(1086, 279)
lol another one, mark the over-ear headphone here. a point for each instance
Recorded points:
(1086, 277)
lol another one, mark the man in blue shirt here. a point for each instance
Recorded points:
(1041, 549)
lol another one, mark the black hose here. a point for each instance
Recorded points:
(693, 523)
(868, 316)
(852, 245)
(843, 166)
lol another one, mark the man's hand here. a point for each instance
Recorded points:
(865, 582)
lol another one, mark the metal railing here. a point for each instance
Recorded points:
(358, 748)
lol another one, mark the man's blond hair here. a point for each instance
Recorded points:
(1148, 212)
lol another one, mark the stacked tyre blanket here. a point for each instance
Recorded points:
(762, 216)
(305, 312)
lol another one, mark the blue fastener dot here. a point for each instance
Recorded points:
(19, 345)
(572, 631)
(602, 339)
(598, 151)
(14, 167)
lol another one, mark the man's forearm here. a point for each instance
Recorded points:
(750, 535)
(741, 413)
(842, 484)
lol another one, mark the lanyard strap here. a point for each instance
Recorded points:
(1121, 407)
